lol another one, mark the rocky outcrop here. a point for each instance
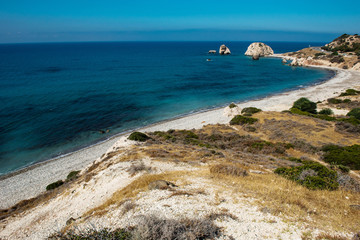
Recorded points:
(260, 49)
(224, 50)
(232, 110)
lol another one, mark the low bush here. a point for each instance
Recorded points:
(354, 113)
(350, 92)
(347, 127)
(334, 101)
(189, 134)
(354, 121)
(347, 156)
(232, 105)
(320, 116)
(54, 185)
(346, 101)
(305, 105)
(154, 228)
(250, 111)
(312, 175)
(326, 111)
(319, 54)
(241, 120)
(72, 175)
(337, 59)
(138, 136)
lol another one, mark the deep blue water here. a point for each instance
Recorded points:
(56, 97)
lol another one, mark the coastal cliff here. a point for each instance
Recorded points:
(343, 52)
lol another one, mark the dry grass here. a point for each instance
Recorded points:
(327, 209)
(284, 127)
(138, 185)
(326, 236)
(228, 169)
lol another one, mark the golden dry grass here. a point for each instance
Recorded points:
(140, 184)
(326, 209)
(315, 131)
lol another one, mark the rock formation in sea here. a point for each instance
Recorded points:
(224, 50)
(260, 49)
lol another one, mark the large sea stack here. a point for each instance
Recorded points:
(259, 49)
(224, 50)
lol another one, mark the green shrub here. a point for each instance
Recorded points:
(351, 120)
(354, 113)
(138, 136)
(346, 100)
(189, 134)
(319, 54)
(54, 185)
(312, 175)
(320, 116)
(72, 175)
(337, 59)
(347, 156)
(326, 111)
(294, 159)
(250, 111)
(232, 105)
(241, 120)
(334, 101)
(305, 105)
(350, 92)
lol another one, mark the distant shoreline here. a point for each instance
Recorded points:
(31, 181)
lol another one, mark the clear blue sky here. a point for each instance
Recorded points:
(111, 20)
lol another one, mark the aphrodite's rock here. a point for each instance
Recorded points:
(255, 57)
(224, 50)
(260, 49)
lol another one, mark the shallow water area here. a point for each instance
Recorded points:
(55, 98)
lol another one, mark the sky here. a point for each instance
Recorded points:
(166, 20)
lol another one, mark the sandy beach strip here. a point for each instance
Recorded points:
(32, 181)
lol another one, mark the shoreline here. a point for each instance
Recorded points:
(32, 180)
(125, 132)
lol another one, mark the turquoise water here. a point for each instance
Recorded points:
(55, 98)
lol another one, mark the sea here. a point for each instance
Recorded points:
(56, 98)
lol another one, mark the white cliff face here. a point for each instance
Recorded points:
(260, 49)
(224, 50)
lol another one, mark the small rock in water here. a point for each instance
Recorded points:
(255, 57)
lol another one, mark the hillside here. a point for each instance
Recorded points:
(224, 181)
(343, 52)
